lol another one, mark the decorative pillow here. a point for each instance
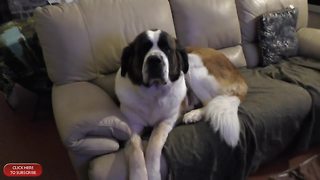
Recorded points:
(277, 35)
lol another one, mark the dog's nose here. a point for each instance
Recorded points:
(154, 60)
(155, 69)
(155, 65)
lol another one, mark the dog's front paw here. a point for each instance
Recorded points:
(154, 175)
(192, 116)
(135, 156)
(153, 169)
(138, 174)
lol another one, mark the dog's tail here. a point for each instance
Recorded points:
(222, 114)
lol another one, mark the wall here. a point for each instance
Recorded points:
(314, 16)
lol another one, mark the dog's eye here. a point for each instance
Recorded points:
(146, 45)
(164, 46)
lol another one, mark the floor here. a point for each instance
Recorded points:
(25, 139)
(33, 138)
(283, 164)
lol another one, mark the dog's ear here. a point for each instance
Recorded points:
(184, 60)
(183, 57)
(125, 59)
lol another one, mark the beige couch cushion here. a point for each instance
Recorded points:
(250, 10)
(107, 83)
(209, 23)
(84, 39)
(309, 45)
(86, 117)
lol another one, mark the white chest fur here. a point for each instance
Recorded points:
(147, 106)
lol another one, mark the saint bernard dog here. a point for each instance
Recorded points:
(152, 84)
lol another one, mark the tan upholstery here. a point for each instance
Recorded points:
(82, 109)
(86, 38)
(250, 10)
(106, 82)
(204, 23)
(309, 45)
(85, 115)
(235, 55)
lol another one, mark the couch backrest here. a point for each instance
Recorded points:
(250, 10)
(209, 23)
(82, 40)
(85, 39)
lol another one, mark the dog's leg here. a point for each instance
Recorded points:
(133, 150)
(156, 142)
(136, 161)
(193, 116)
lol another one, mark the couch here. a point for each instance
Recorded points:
(82, 44)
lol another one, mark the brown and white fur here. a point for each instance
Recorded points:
(220, 87)
(150, 86)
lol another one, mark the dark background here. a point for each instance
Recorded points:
(5, 14)
(20, 9)
(316, 2)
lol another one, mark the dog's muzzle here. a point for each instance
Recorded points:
(155, 70)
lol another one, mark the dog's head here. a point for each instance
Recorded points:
(154, 58)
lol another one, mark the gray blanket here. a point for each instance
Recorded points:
(281, 112)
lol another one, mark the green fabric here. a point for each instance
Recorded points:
(280, 113)
(305, 73)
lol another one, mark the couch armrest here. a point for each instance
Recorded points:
(88, 121)
(309, 42)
